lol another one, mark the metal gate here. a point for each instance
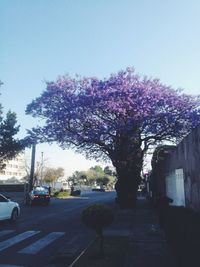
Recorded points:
(175, 187)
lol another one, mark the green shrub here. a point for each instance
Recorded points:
(97, 216)
(63, 194)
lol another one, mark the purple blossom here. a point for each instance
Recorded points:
(90, 114)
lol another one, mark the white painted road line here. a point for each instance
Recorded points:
(16, 239)
(41, 243)
(6, 232)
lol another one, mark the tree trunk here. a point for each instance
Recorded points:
(128, 179)
(126, 189)
(127, 158)
(101, 241)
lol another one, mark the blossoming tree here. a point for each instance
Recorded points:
(117, 118)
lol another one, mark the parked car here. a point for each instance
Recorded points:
(39, 195)
(98, 189)
(75, 192)
(8, 209)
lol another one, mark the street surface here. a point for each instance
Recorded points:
(43, 234)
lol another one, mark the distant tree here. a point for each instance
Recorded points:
(51, 175)
(9, 146)
(102, 181)
(97, 169)
(40, 166)
(78, 178)
(107, 170)
(83, 177)
(100, 177)
(118, 118)
(92, 177)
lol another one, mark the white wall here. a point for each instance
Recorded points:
(175, 187)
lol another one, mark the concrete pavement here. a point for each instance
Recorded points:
(147, 245)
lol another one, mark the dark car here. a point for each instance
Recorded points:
(39, 195)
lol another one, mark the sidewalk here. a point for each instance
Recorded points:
(147, 246)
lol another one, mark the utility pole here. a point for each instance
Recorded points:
(32, 168)
(42, 166)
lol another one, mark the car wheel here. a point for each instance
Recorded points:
(14, 215)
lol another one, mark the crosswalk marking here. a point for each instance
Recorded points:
(16, 239)
(41, 243)
(5, 232)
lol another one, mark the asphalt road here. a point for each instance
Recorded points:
(48, 234)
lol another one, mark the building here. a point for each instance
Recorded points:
(14, 171)
(178, 173)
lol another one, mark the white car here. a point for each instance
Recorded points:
(8, 209)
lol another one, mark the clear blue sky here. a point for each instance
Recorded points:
(42, 39)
